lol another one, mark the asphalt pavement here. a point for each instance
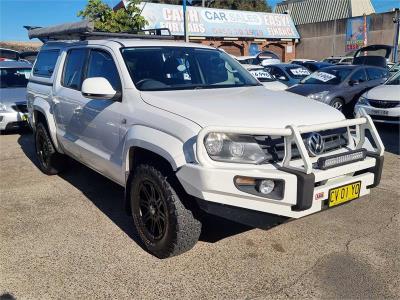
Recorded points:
(68, 237)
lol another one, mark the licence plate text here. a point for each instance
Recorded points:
(344, 193)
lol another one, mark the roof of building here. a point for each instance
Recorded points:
(314, 11)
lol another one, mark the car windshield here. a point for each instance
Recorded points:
(14, 77)
(179, 68)
(328, 76)
(394, 80)
(297, 72)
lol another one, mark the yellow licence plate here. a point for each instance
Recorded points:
(344, 193)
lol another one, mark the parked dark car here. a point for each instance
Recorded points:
(316, 65)
(8, 54)
(29, 56)
(289, 74)
(341, 86)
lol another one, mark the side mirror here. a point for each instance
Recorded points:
(98, 88)
(353, 82)
(282, 78)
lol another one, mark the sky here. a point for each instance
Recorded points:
(16, 13)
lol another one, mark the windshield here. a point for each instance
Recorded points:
(328, 76)
(178, 68)
(394, 80)
(14, 77)
(297, 72)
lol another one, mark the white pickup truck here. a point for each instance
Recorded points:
(186, 129)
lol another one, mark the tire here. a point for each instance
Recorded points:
(50, 161)
(165, 226)
(338, 104)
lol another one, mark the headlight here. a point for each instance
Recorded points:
(233, 148)
(3, 107)
(363, 101)
(318, 96)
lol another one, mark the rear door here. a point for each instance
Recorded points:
(68, 98)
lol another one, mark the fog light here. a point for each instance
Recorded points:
(266, 186)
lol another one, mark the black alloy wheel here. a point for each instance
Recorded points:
(166, 226)
(50, 161)
(153, 210)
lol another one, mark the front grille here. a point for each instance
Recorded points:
(20, 108)
(383, 104)
(274, 147)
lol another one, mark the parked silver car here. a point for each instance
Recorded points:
(382, 103)
(14, 77)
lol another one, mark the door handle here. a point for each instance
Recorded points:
(78, 110)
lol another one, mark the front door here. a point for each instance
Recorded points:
(100, 119)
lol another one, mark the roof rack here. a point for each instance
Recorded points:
(85, 30)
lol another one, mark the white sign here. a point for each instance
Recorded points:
(300, 72)
(211, 22)
(261, 74)
(322, 76)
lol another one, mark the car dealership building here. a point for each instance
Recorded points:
(237, 32)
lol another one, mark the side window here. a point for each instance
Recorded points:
(101, 64)
(359, 76)
(45, 63)
(374, 73)
(73, 69)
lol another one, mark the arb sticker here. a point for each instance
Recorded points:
(319, 196)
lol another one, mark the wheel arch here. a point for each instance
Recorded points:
(161, 144)
(154, 147)
(42, 112)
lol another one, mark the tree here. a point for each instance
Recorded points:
(108, 20)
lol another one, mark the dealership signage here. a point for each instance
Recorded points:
(207, 22)
(357, 33)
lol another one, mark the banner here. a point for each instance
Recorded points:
(357, 33)
(208, 22)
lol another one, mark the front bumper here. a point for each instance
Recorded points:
(217, 185)
(380, 115)
(306, 188)
(12, 120)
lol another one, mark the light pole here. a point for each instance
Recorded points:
(396, 21)
(185, 31)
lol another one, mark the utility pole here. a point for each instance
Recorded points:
(185, 27)
(396, 21)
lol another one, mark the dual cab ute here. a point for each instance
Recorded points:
(187, 130)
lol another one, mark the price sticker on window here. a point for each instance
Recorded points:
(261, 74)
(322, 76)
(300, 72)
